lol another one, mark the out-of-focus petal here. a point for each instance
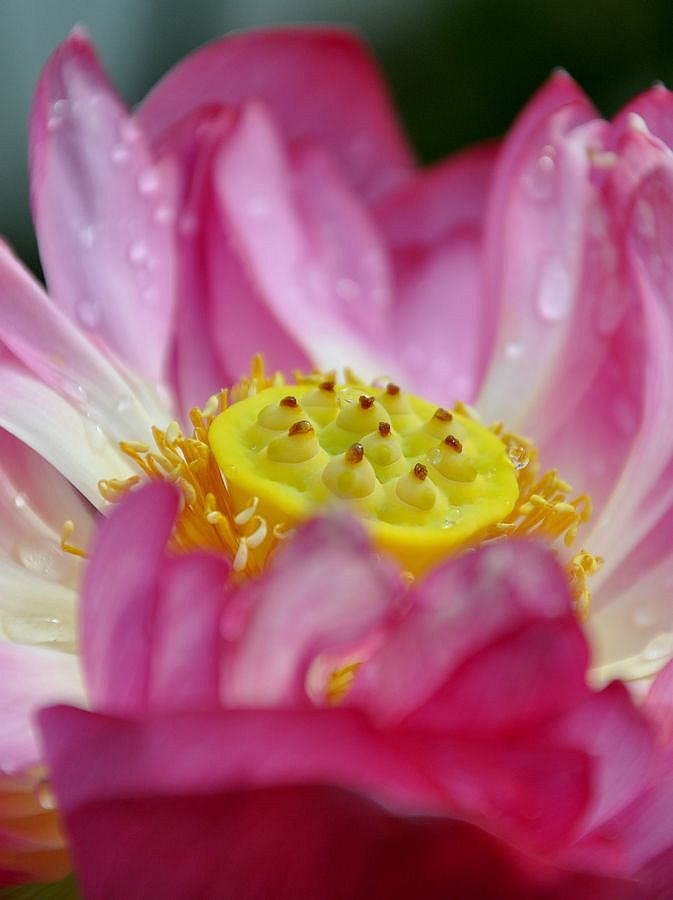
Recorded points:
(323, 594)
(41, 336)
(74, 444)
(32, 678)
(346, 109)
(462, 607)
(433, 227)
(533, 253)
(655, 107)
(308, 245)
(120, 597)
(106, 253)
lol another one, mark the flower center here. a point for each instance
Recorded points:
(426, 481)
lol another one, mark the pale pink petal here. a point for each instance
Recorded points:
(119, 598)
(74, 444)
(659, 704)
(310, 248)
(433, 226)
(42, 337)
(346, 109)
(96, 191)
(460, 608)
(655, 107)
(32, 679)
(533, 262)
(324, 593)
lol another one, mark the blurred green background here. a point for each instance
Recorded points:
(459, 69)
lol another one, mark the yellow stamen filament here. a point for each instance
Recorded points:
(66, 533)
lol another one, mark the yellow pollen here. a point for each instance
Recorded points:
(427, 482)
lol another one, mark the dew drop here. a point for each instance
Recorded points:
(659, 647)
(124, 405)
(148, 182)
(130, 131)
(95, 434)
(44, 560)
(57, 114)
(519, 457)
(20, 500)
(435, 455)
(119, 154)
(539, 181)
(138, 253)
(38, 630)
(514, 350)
(163, 215)
(45, 795)
(88, 313)
(555, 297)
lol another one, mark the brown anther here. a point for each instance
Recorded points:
(365, 401)
(392, 389)
(327, 386)
(454, 443)
(420, 471)
(355, 454)
(289, 401)
(301, 427)
(443, 414)
(384, 429)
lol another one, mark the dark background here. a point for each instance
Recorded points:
(459, 70)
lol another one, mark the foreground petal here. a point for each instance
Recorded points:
(106, 254)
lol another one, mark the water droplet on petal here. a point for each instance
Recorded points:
(434, 455)
(95, 434)
(119, 154)
(514, 350)
(163, 215)
(20, 500)
(138, 253)
(130, 131)
(555, 296)
(148, 182)
(88, 313)
(45, 560)
(57, 114)
(539, 180)
(38, 630)
(659, 647)
(519, 458)
(124, 405)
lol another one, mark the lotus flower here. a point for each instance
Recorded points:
(321, 732)
(236, 212)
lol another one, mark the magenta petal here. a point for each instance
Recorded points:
(32, 678)
(106, 255)
(460, 608)
(346, 109)
(655, 107)
(324, 593)
(120, 597)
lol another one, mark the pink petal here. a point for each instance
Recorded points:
(72, 443)
(32, 678)
(120, 598)
(346, 110)
(41, 336)
(659, 705)
(433, 225)
(655, 107)
(536, 226)
(324, 593)
(461, 608)
(309, 248)
(107, 260)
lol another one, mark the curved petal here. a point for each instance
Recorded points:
(32, 678)
(308, 245)
(75, 445)
(433, 226)
(536, 224)
(346, 110)
(460, 609)
(106, 253)
(325, 592)
(41, 336)
(120, 597)
(655, 108)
